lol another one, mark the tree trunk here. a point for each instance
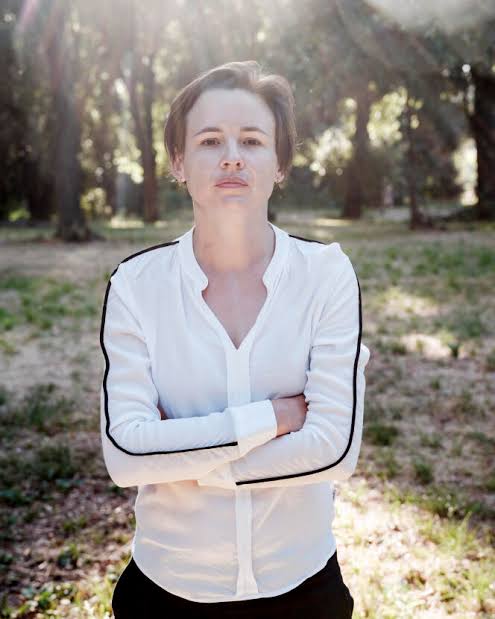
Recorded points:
(145, 144)
(148, 150)
(483, 126)
(417, 218)
(138, 71)
(415, 215)
(63, 58)
(355, 196)
(71, 225)
(39, 191)
(104, 146)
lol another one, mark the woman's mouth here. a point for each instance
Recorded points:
(231, 185)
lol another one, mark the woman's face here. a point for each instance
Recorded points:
(229, 132)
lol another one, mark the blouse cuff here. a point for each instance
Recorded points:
(255, 424)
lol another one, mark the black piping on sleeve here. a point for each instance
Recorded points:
(351, 434)
(107, 370)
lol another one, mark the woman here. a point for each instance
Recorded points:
(233, 391)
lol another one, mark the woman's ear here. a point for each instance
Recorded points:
(177, 167)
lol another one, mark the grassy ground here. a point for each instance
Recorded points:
(414, 525)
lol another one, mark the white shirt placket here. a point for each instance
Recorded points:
(239, 392)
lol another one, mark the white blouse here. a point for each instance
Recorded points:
(225, 509)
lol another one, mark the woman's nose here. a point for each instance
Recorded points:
(232, 153)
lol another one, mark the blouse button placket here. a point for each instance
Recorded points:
(239, 389)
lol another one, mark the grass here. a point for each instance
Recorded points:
(41, 303)
(417, 517)
(48, 467)
(41, 409)
(380, 434)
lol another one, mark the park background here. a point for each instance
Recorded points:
(395, 105)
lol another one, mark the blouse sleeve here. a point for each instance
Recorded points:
(327, 447)
(139, 447)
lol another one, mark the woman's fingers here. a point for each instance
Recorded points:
(163, 414)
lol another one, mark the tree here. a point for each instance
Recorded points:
(461, 41)
(62, 47)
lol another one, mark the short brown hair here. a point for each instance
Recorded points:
(274, 89)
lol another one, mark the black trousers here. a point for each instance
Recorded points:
(322, 596)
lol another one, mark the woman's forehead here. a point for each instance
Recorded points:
(229, 108)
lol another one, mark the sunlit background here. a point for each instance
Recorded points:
(395, 105)
(392, 102)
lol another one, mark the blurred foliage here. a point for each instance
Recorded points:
(391, 101)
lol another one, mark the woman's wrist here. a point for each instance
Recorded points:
(280, 408)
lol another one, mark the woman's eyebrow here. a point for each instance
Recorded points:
(210, 129)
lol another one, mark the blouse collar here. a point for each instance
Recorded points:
(191, 266)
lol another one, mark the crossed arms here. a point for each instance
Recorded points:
(239, 445)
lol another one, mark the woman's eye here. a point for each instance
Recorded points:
(213, 139)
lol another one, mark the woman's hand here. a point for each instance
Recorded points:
(163, 415)
(290, 413)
